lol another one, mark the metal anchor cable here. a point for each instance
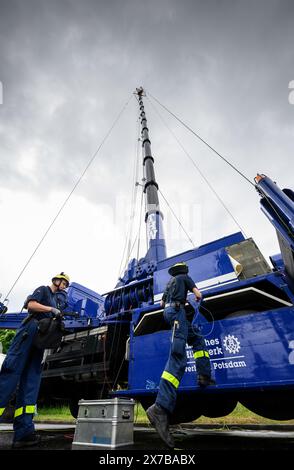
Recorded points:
(198, 169)
(223, 158)
(202, 140)
(69, 195)
(128, 239)
(178, 220)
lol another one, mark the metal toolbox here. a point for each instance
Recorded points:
(104, 424)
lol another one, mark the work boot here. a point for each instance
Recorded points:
(28, 441)
(159, 419)
(205, 380)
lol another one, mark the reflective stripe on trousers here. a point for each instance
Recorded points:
(182, 333)
(29, 409)
(198, 354)
(21, 372)
(171, 378)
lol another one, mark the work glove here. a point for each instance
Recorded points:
(56, 312)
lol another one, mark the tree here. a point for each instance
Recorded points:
(6, 337)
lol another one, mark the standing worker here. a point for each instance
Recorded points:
(173, 301)
(21, 369)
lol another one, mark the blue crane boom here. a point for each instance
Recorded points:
(140, 268)
(153, 217)
(119, 343)
(278, 206)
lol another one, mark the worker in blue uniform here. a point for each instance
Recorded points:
(21, 369)
(173, 302)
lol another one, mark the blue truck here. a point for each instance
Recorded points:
(119, 343)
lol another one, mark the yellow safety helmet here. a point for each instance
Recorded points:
(178, 268)
(63, 276)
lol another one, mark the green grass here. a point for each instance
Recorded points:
(239, 416)
(55, 414)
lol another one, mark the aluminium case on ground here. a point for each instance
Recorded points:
(104, 424)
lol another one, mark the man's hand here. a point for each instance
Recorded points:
(197, 293)
(162, 304)
(56, 312)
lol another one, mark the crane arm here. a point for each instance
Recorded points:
(278, 206)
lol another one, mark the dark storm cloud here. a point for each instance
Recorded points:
(57, 88)
(68, 66)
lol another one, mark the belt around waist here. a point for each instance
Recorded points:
(175, 304)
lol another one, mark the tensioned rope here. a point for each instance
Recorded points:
(202, 140)
(178, 220)
(140, 224)
(128, 240)
(224, 159)
(197, 168)
(128, 250)
(69, 195)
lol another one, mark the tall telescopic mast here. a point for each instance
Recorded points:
(153, 217)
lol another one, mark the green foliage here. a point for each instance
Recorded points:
(54, 414)
(6, 337)
(62, 413)
(240, 416)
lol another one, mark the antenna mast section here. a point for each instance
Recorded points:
(153, 217)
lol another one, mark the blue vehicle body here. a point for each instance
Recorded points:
(119, 343)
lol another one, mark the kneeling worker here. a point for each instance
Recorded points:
(173, 301)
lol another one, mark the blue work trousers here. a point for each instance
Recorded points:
(21, 373)
(182, 333)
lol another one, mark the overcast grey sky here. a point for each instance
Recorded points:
(68, 66)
